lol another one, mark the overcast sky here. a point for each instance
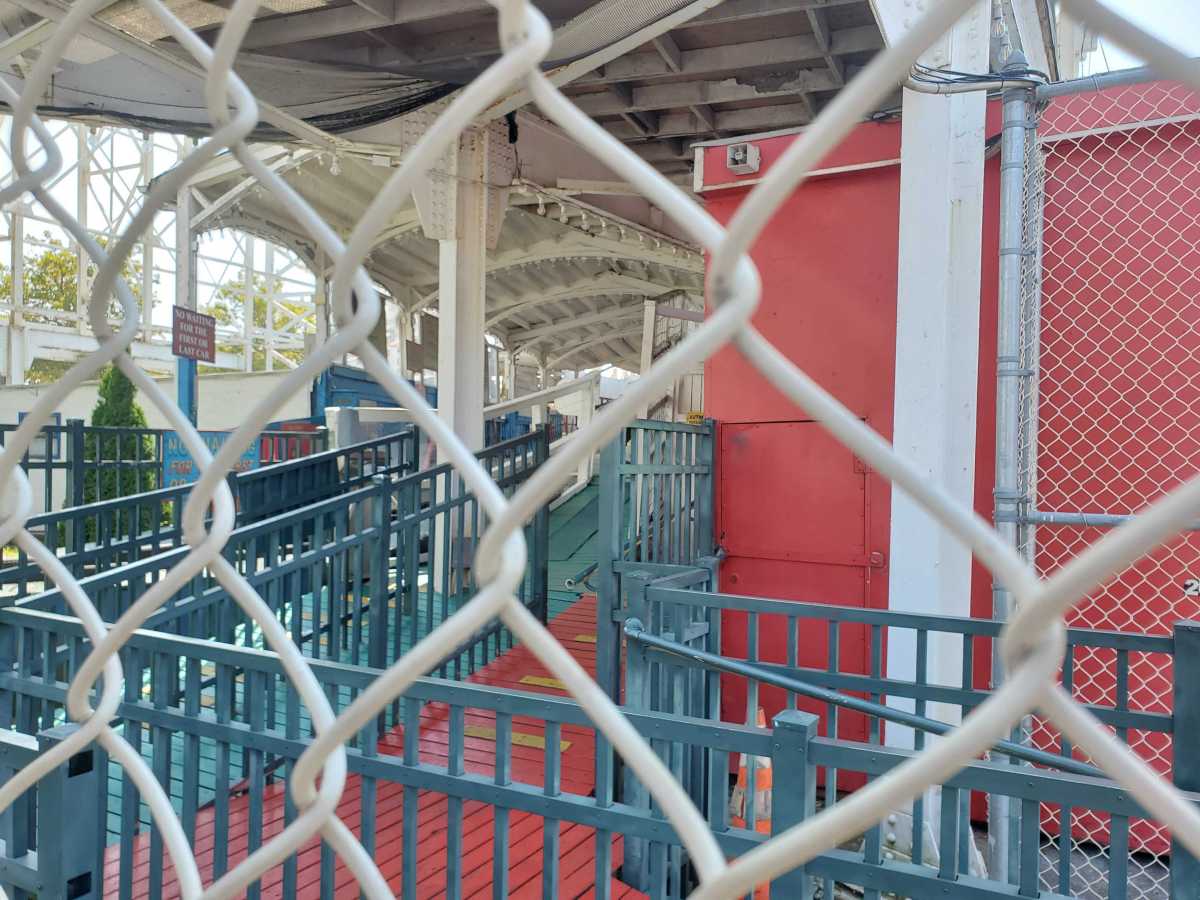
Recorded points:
(1175, 21)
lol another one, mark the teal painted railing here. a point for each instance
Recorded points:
(656, 507)
(67, 460)
(840, 649)
(221, 726)
(97, 537)
(321, 568)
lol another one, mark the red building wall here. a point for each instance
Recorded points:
(798, 516)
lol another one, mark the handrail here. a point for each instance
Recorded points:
(636, 631)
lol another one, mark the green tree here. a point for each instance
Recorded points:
(51, 283)
(228, 307)
(111, 460)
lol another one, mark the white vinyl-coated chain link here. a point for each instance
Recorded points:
(1032, 644)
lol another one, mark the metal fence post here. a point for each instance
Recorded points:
(70, 827)
(636, 868)
(76, 533)
(540, 561)
(380, 573)
(608, 588)
(707, 493)
(1009, 372)
(794, 731)
(75, 462)
(1185, 868)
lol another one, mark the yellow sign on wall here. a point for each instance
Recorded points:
(695, 418)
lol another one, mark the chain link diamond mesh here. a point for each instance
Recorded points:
(1032, 645)
(1112, 312)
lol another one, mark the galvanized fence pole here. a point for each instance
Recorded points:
(1185, 767)
(794, 731)
(1018, 115)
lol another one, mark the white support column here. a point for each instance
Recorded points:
(148, 242)
(248, 302)
(649, 313)
(584, 474)
(937, 348)
(320, 300)
(538, 414)
(937, 356)
(462, 266)
(269, 304)
(83, 173)
(16, 355)
(187, 386)
(510, 373)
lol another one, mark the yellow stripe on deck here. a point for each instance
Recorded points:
(543, 681)
(519, 738)
(586, 638)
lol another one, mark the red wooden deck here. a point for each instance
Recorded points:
(518, 669)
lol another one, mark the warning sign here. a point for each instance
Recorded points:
(695, 418)
(193, 335)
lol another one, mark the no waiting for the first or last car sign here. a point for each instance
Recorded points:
(193, 335)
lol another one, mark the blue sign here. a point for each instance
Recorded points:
(179, 467)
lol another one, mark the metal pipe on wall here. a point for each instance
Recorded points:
(1018, 110)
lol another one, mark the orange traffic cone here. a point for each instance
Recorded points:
(738, 810)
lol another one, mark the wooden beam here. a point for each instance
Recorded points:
(732, 11)
(330, 22)
(384, 9)
(756, 118)
(773, 53)
(669, 51)
(823, 34)
(682, 94)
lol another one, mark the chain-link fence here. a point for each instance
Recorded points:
(1110, 358)
(1119, 472)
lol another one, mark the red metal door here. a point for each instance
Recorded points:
(795, 523)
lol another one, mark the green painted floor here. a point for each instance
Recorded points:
(573, 546)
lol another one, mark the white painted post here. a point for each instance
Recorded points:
(649, 313)
(16, 347)
(937, 355)
(320, 301)
(187, 387)
(269, 303)
(538, 415)
(510, 374)
(937, 344)
(148, 242)
(461, 271)
(248, 303)
(584, 474)
(83, 173)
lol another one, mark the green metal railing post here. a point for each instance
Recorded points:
(608, 588)
(381, 571)
(69, 822)
(76, 533)
(540, 558)
(1185, 868)
(75, 453)
(706, 542)
(794, 731)
(638, 696)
